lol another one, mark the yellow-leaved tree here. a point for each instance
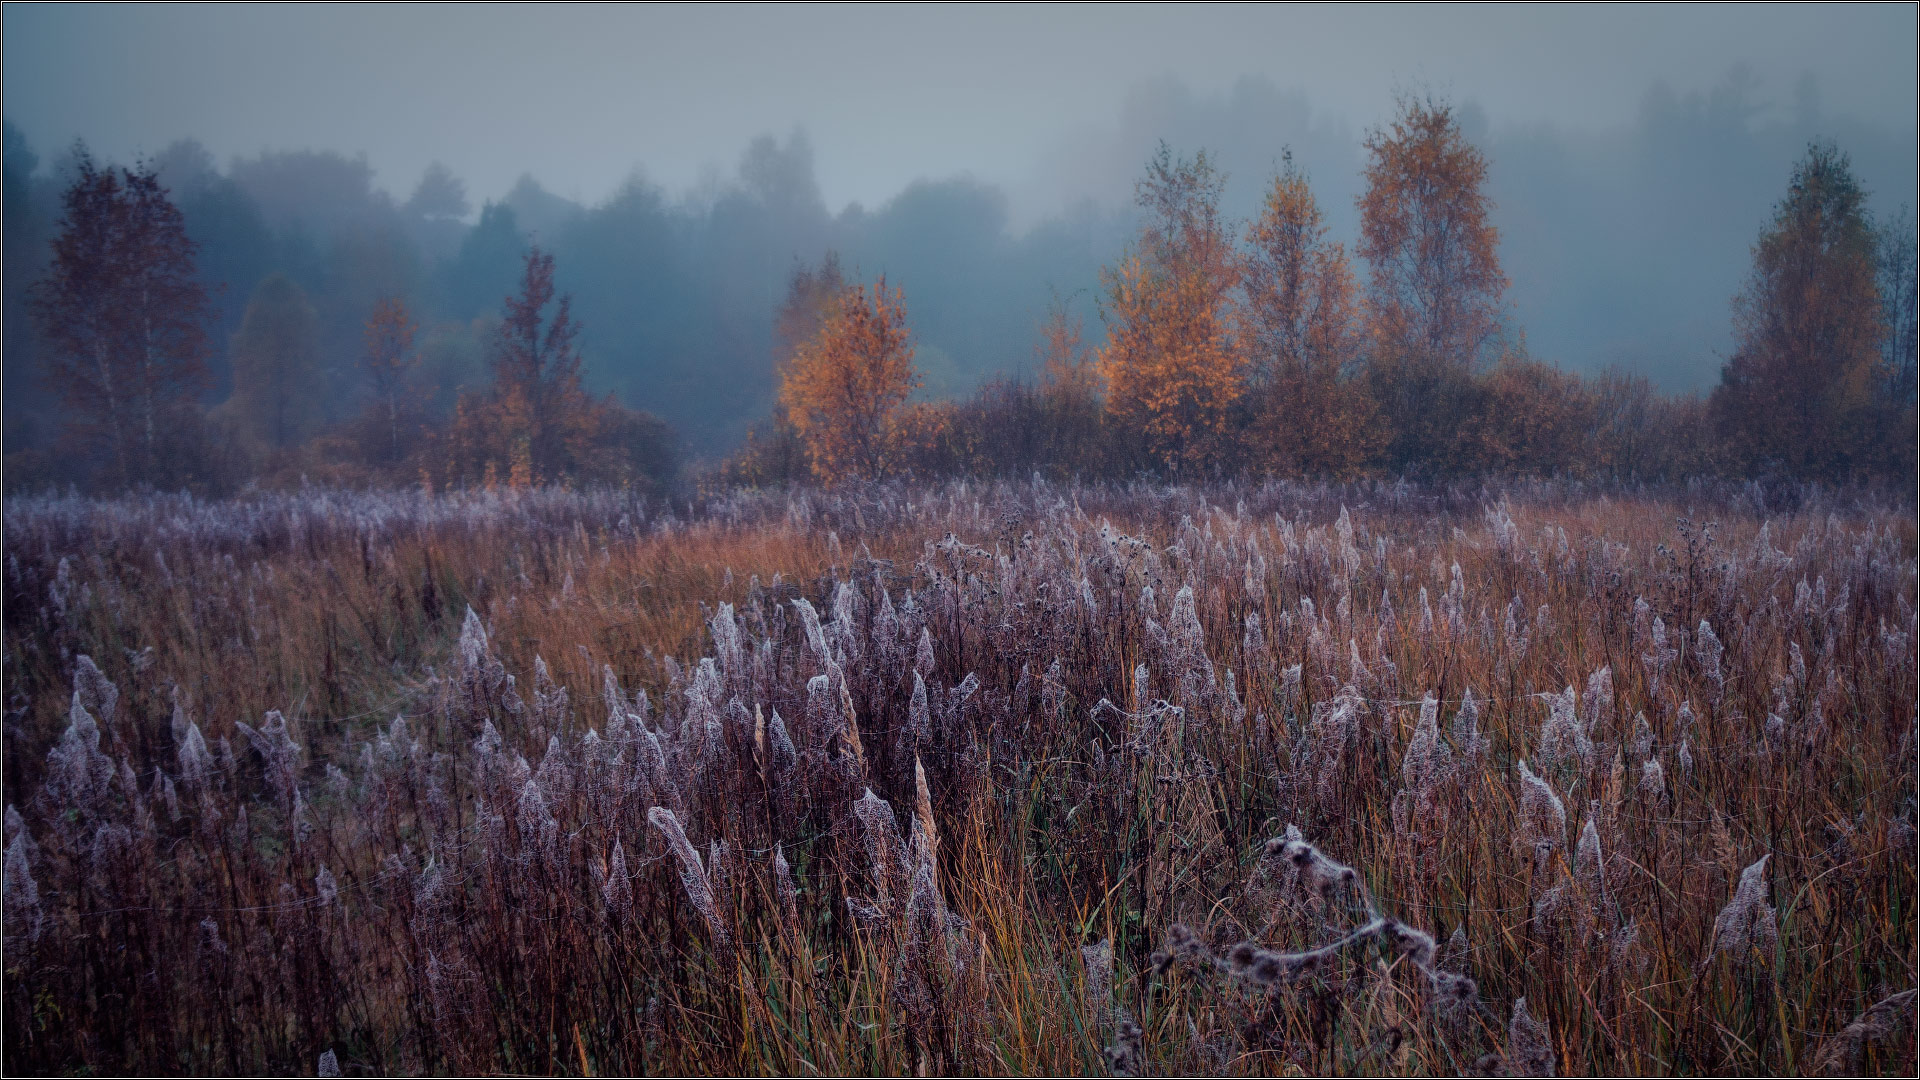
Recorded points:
(843, 388)
(1301, 330)
(1170, 363)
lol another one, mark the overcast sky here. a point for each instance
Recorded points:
(583, 97)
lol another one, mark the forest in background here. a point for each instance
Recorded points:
(679, 305)
(1261, 348)
(677, 296)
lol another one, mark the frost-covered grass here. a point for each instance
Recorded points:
(995, 779)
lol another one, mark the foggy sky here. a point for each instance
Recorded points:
(1634, 153)
(583, 97)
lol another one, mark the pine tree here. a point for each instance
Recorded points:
(538, 399)
(536, 423)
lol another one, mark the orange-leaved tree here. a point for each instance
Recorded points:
(1170, 363)
(1068, 371)
(843, 388)
(1434, 298)
(773, 453)
(1537, 419)
(1300, 330)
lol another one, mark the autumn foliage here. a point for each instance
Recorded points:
(1436, 282)
(1222, 348)
(1171, 365)
(1301, 328)
(1445, 716)
(1261, 350)
(843, 388)
(1434, 291)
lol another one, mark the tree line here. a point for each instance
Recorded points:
(1261, 348)
(123, 312)
(674, 296)
(1221, 347)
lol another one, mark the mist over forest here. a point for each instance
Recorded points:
(1623, 246)
(959, 540)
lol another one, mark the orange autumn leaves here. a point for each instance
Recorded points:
(844, 387)
(1251, 357)
(1436, 283)
(1302, 326)
(1224, 352)
(1170, 365)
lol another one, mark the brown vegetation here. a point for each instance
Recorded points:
(1806, 390)
(537, 423)
(1227, 350)
(1310, 414)
(976, 778)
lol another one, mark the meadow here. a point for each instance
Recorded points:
(1518, 778)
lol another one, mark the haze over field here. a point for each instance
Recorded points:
(978, 157)
(582, 97)
(959, 541)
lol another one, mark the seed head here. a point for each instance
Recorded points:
(1529, 1046)
(1543, 818)
(1747, 926)
(693, 876)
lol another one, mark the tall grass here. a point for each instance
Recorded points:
(1012, 778)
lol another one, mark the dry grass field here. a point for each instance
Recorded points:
(964, 779)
